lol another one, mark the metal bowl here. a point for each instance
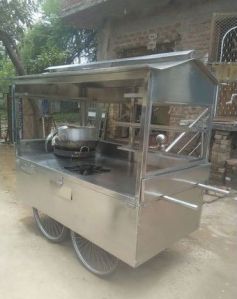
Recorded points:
(74, 138)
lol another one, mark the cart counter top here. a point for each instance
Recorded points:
(116, 175)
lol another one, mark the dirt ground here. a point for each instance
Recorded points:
(204, 265)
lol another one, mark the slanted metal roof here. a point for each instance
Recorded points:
(145, 60)
(75, 73)
(173, 78)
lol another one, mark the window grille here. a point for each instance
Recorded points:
(224, 38)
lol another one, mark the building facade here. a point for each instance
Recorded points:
(128, 28)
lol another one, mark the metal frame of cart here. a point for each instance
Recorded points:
(150, 199)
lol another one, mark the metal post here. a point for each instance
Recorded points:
(13, 114)
(144, 135)
(43, 127)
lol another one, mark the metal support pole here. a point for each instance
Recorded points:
(184, 133)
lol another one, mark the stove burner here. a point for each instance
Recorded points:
(72, 153)
(87, 169)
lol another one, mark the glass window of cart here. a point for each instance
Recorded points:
(37, 117)
(178, 136)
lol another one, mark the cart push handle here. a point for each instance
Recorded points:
(174, 200)
(180, 202)
(212, 188)
(185, 203)
(207, 187)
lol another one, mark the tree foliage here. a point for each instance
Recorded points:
(15, 16)
(7, 71)
(51, 42)
(32, 46)
(46, 58)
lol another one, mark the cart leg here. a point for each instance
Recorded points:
(92, 257)
(51, 229)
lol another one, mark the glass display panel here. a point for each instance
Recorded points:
(178, 136)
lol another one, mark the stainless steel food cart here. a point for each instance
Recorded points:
(149, 193)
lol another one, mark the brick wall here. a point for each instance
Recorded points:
(221, 152)
(188, 25)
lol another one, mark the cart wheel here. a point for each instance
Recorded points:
(92, 257)
(50, 228)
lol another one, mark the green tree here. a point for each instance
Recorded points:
(47, 42)
(7, 71)
(15, 17)
(51, 42)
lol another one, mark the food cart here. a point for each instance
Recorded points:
(125, 169)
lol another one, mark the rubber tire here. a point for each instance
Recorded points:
(88, 266)
(59, 239)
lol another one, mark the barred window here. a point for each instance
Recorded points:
(224, 38)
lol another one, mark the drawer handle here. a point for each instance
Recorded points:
(57, 182)
(28, 169)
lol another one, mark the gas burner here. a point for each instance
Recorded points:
(73, 154)
(87, 169)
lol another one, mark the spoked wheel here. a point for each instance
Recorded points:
(94, 258)
(50, 228)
